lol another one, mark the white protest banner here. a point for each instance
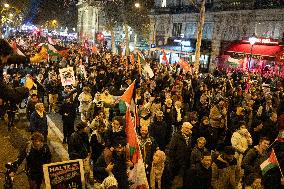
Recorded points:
(67, 76)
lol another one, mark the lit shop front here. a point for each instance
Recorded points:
(253, 54)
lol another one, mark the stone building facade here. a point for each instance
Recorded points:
(90, 19)
(226, 20)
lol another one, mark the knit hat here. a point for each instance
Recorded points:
(109, 182)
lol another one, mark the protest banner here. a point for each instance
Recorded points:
(67, 76)
(64, 175)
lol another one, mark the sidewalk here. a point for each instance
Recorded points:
(11, 143)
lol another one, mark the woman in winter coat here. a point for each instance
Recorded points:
(241, 140)
(38, 121)
(85, 98)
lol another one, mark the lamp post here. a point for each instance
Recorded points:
(252, 41)
(137, 5)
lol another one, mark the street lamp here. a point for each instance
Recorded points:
(137, 5)
(11, 15)
(252, 41)
(6, 5)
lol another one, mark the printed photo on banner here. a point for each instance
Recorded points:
(65, 175)
(83, 71)
(67, 76)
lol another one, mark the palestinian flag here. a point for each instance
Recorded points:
(137, 175)
(270, 163)
(280, 136)
(56, 50)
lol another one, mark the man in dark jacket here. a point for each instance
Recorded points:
(68, 113)
(36, 154)
(197, 152)
(255, 156)
(148, 147)
(179, 154)
(199, 176)
(270, 127)
(161, 131)
(78, 144)
(38, 121)
(31, 105)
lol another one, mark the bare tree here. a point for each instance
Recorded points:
(201, 6)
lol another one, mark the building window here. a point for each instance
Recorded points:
(164, 3)
(177, 29)
(190, 30)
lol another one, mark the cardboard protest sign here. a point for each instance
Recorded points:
(64, 175)
(67, 76)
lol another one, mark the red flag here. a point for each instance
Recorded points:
(165, 58)
(94, 49)
(132, 60)
(14, 45)
(127, 96)
(131, 137)
(184, 65)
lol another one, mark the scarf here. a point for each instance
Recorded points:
(178, 114)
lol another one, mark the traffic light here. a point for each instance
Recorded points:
(100, 37)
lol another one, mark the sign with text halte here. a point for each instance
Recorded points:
(64, 175)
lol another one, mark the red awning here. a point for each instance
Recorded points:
(263, 50)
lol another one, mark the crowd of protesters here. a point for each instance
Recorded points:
(210, 130)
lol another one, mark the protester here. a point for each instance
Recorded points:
(172, 109)
(78, 143)
(38, 121)
(225, 172)
(179, 154)
(36, 153)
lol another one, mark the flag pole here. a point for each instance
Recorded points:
(278, 163)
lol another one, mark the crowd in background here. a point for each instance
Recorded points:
(209, 130)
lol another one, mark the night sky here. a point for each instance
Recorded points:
(39, 11)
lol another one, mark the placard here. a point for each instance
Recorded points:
(67, 76)
(64, 175)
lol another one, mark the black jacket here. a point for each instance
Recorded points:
(96, 147)
(179, 154)
(78, 145)
(35, 159)
(161, 132)
(198, 177)
(38, 124)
